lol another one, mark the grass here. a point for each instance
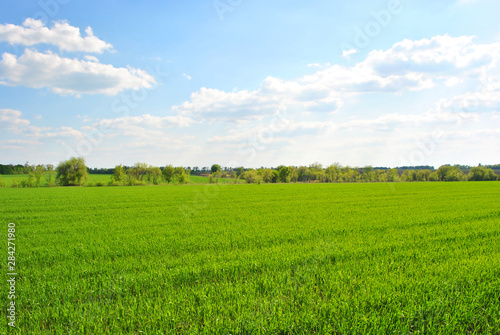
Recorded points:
(406, 258)
(105, 178)
(206, 180)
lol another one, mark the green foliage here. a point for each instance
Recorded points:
(14, 183)
(154, 175)
(450, 173)
(72, 172)
(393, 175)
(481, 173)
(268, 175)
(284, 174)
(180, 175)
(251, 176)
(434, 176)
(368, 173)
(423, 175)
(239, 171)
(168, 173)
(215, 168)
(118, 175)
(304, 174)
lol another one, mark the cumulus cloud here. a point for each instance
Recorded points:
(23, 135)
(406, 66)
(440, 55)
(60, 74)
(11, 119)
(348, 53)
(61, 34)
(69, 76)
(145, 122)
(272, 95)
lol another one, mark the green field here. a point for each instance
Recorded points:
(206, 180)
(403, 258)
(105, 178)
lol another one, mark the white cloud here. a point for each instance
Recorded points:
(272, 95)
(91, 58)
(144, 123)
(61, 34)
(69, 76)
(11, 119)
(187, 76)
(406, 66)
(348, 53)
(312, 118)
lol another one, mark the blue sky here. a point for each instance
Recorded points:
(252, 83)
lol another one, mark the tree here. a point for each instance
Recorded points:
(408, 175)
(118, 174)
(481, 173)
(38, 173)
(180, 175)
(215, 168)
(442, 171)
(380, 176)
(267, 175)
(239, 171)
(168, 173)
(433, 176)
(294, 174)
(250, 176)
(332, 173)
(284, 174)
(368, 173)
(214, 177)
(304, 174)
(138, 171)
(450, 173)
(393, 175)
(72, 172)
(423, 175)
(154, 174)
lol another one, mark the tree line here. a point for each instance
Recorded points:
(74, 172)
(336, 173)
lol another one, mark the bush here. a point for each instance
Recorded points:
(434, 176)
(113, 182)
(72, 172)
(480, 173)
